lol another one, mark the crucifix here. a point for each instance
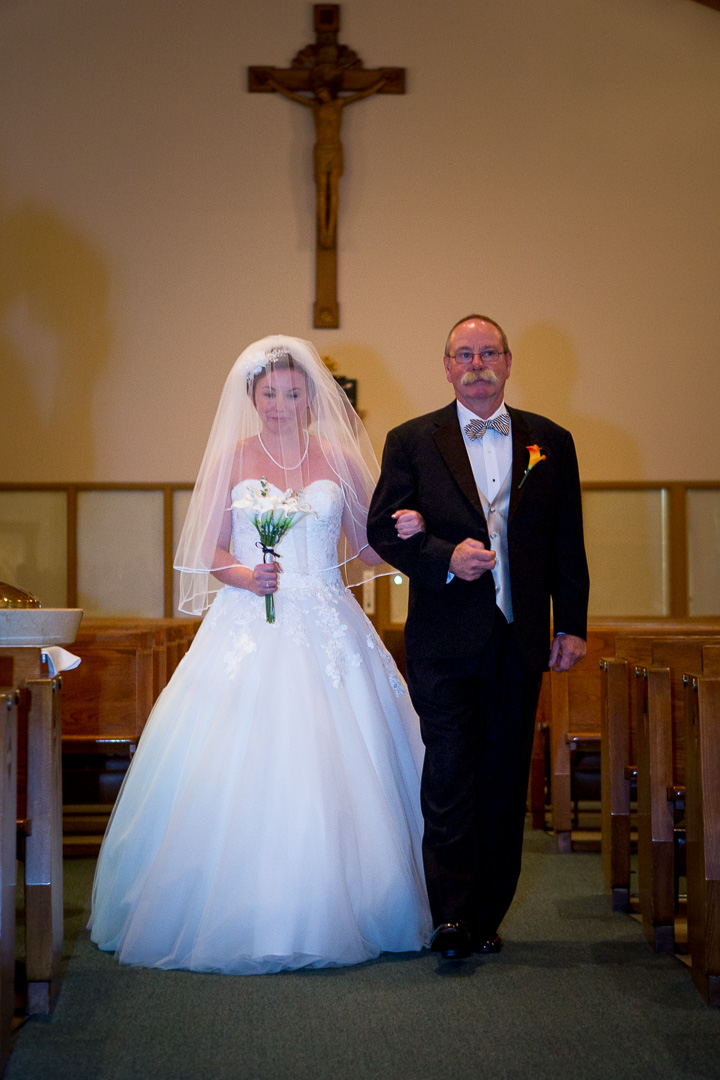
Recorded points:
(326, 77)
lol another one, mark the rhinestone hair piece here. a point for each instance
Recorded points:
(271, 357)
(277, 353)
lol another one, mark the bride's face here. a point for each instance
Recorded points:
(281, 399)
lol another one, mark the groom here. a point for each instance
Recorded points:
(499, 492)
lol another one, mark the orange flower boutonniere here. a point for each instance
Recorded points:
(536, 456)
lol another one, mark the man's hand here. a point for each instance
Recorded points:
(408, 523)
(471, 559)
(565, 652)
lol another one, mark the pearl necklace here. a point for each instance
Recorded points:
(287, 468)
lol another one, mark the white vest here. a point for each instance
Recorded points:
(496, 514)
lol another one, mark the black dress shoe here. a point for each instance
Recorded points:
(492, 943)
(452, 941)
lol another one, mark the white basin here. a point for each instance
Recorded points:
(29, 628)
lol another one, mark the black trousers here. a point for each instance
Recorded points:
(477, 721)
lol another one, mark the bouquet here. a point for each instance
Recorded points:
(272, 516)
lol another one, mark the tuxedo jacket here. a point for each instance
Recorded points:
(426, 467)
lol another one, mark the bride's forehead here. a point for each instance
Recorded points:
(284, 379)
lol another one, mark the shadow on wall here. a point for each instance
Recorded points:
(383, 401)
(623, 530)
(545, 371)
(55, 339)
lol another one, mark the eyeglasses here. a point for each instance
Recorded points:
(465, 356)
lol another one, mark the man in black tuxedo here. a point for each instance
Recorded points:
(499, 510)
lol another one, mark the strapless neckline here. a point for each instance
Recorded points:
(274, 487)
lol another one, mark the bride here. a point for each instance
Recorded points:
(271, 816)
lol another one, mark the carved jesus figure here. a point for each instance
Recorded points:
(327, 108)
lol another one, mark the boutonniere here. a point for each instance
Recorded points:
(536, 456)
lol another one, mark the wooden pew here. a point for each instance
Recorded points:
(574, 712)
(623, 699)
(43, 846)
(8, 843)
(111, 694)
(711, 660)
(574, 707)
(624, 703)
(126, 664)
(655, 812)
(702, 740)
(39, 714)
(680, 652)
(615, 781)
(106, 704)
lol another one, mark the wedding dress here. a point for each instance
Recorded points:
(271, 816)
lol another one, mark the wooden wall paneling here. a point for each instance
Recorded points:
(159, 663)
(144, 688)
(72, 562)
(168, 552)
(126, 665)
(111, 693)
(678, 545)
(711, 660)
(676, 537)
(102, 695)
(175, 650)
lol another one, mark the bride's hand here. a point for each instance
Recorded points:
(264, 579)
(408, 523)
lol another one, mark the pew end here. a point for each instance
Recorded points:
(9, 700)
(702, 798)
(655, 814)
(615, 782)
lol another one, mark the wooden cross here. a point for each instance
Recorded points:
(325, 77)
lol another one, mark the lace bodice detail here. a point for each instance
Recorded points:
(309, 549)
(314, 610)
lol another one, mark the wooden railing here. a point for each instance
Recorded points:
(652, 545)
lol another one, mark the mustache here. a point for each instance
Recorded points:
(485, 375)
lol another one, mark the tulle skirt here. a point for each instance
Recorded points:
(270, 818)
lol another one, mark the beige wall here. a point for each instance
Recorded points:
(553, 164)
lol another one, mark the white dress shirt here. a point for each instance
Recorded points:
(491, 456)
(491, 463)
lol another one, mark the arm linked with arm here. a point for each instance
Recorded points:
(424, 558)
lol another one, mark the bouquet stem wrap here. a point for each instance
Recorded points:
(268, 557)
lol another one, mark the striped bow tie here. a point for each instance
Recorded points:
(477, 428)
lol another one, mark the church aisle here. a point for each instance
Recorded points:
(576, 992)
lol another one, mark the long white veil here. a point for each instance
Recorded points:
(320, 437)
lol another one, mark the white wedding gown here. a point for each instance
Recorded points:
(271, 817)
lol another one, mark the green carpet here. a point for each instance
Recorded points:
(575, 993)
